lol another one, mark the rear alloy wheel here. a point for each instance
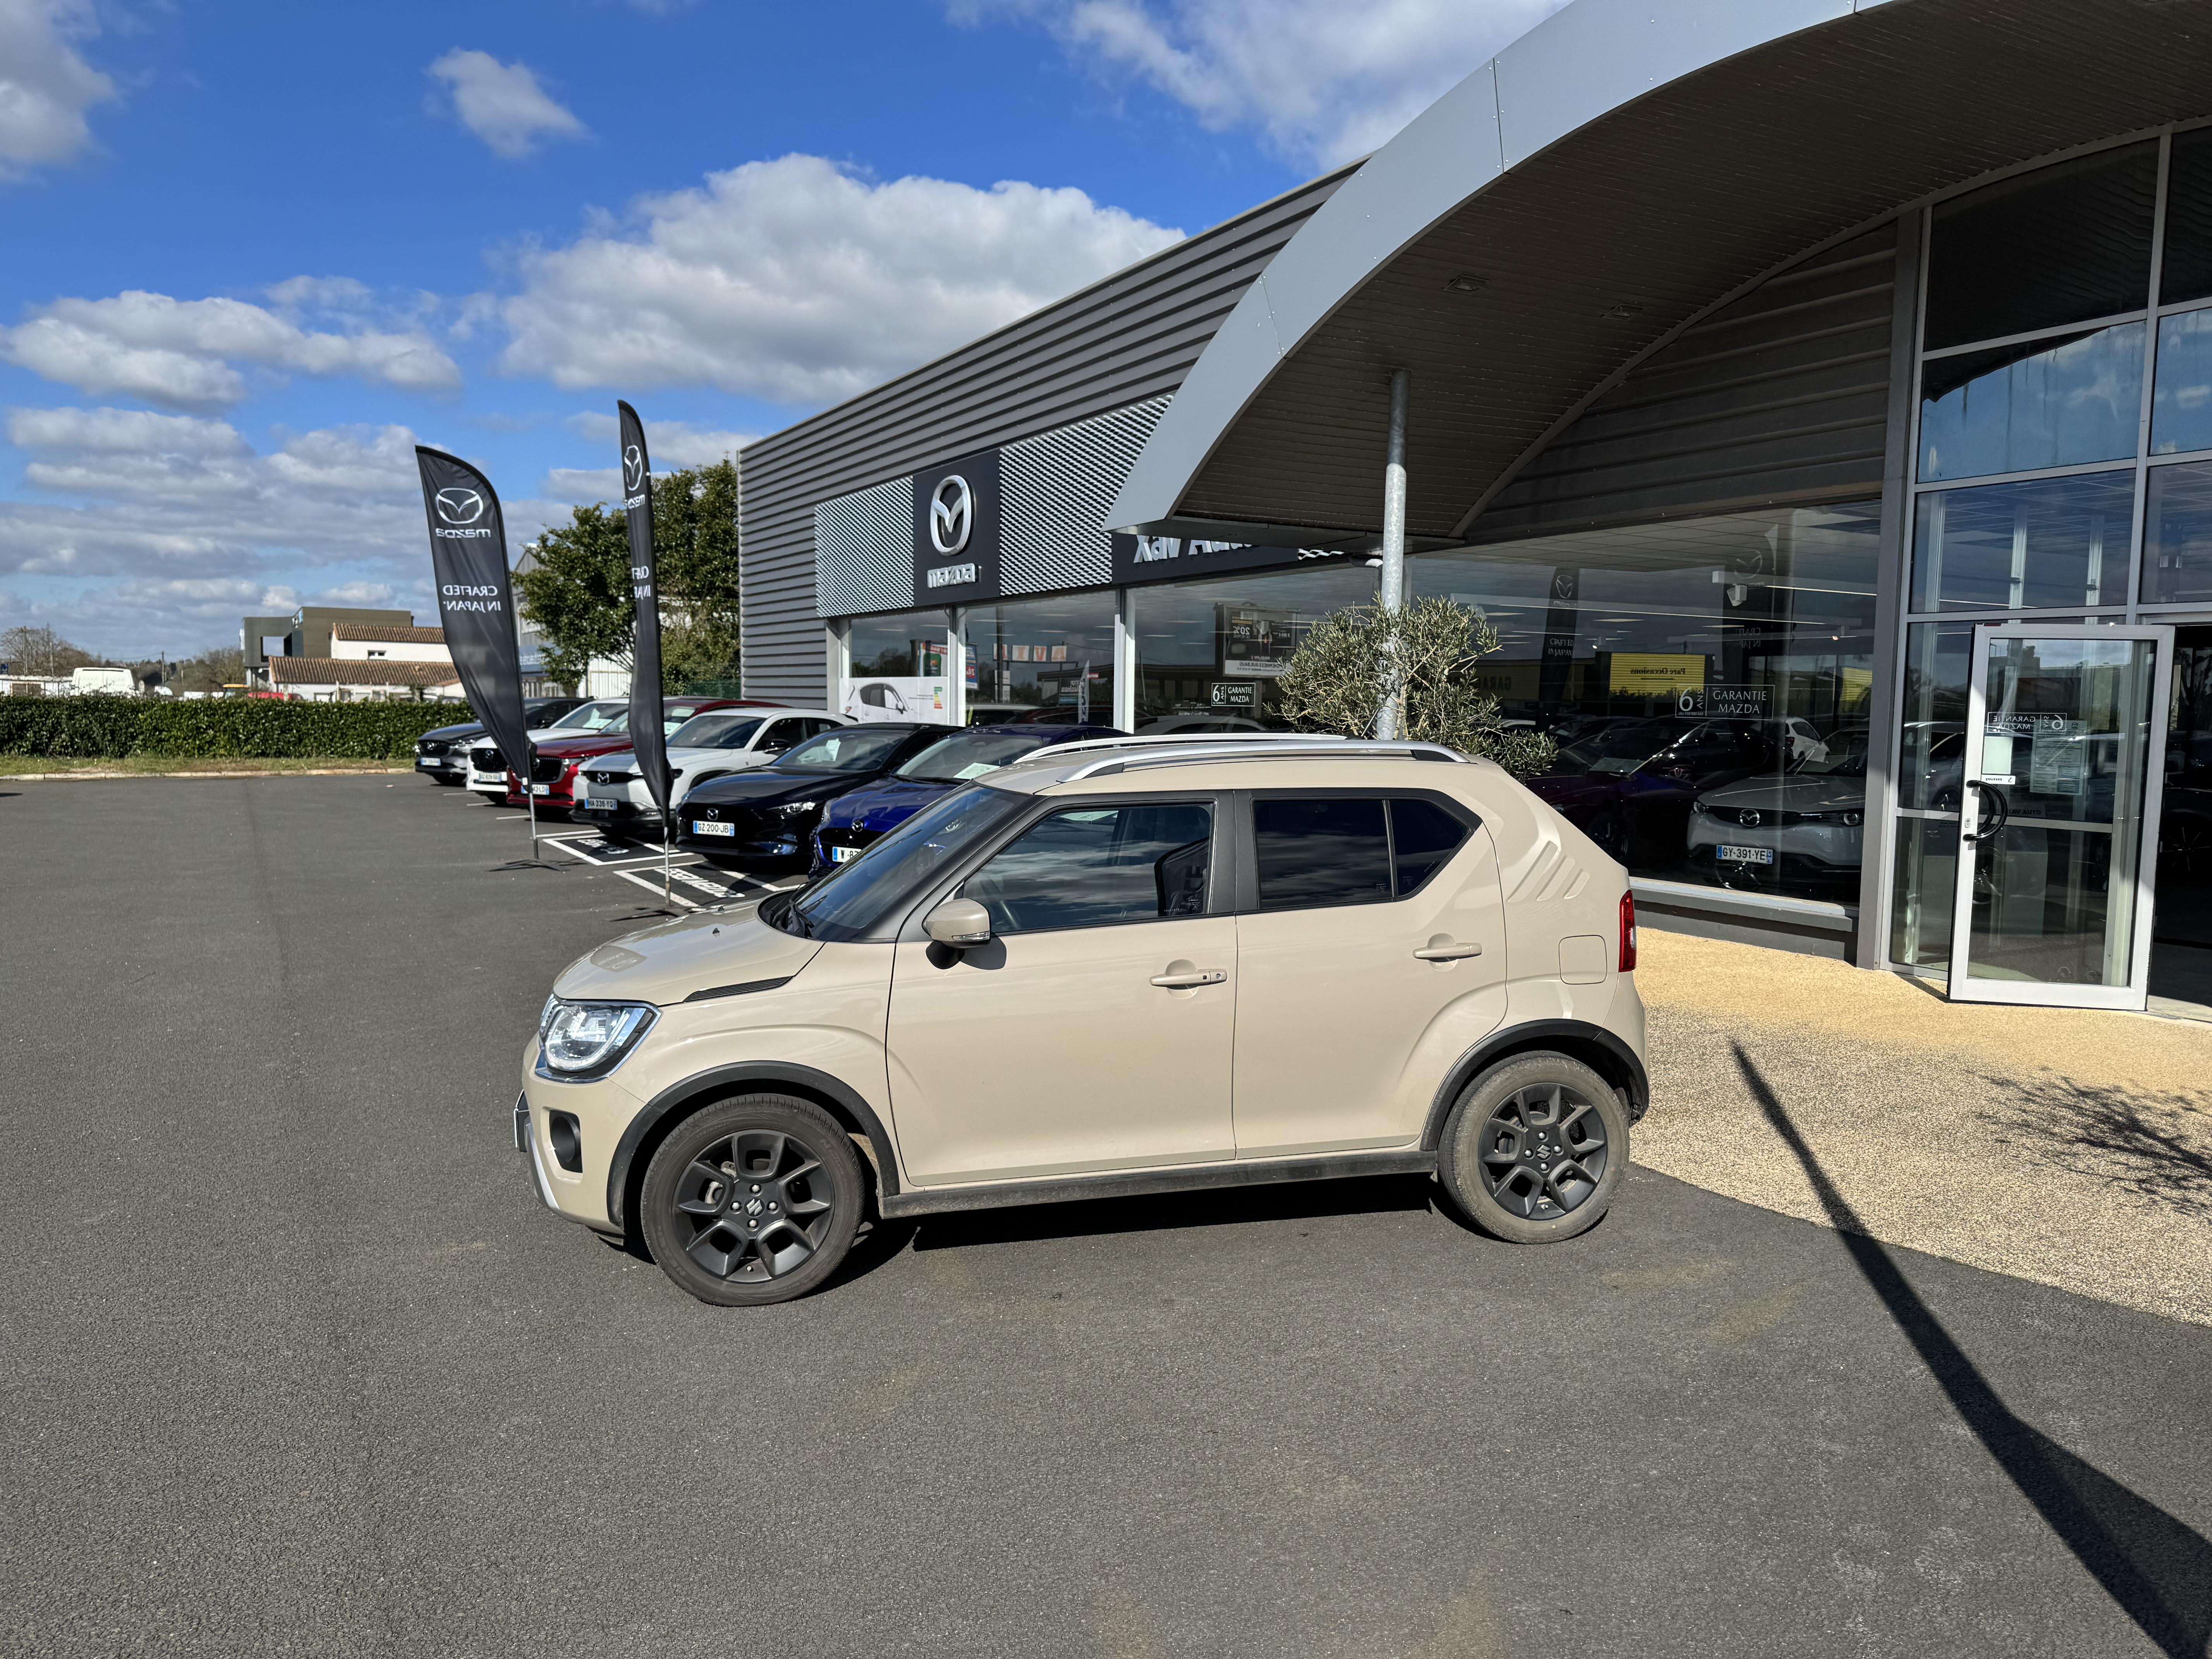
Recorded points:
(1535, 1149)
(753, 1200)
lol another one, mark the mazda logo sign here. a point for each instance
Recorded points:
(951, 514)
(457, 506)
(633, 469)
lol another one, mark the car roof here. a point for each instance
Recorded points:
(1240, 761)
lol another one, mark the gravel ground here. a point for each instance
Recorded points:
(2069, 1147)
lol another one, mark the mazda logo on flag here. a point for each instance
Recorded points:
(457, 506)
(633, 469)
(951, 514)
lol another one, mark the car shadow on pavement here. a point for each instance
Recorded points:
(2157, 1568)
(2155, 1147)
(1221, 1207)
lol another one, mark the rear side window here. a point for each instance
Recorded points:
(1332, 851)
(1096, 866)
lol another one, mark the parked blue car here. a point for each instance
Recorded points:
(852, 821)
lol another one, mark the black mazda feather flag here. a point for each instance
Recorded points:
(476, 597)
(649, 741)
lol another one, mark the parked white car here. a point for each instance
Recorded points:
(610, 791)
(1801, 832)
(488, 767)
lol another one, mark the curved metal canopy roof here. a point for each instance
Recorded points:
(1615, 172)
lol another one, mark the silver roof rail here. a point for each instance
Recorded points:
(1314, 747)
(1159, 738)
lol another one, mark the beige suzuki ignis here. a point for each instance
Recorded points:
(1128, 966)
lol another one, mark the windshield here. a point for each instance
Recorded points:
(1616, 749)
(1846, 757)
(593, 717)
(674, 715)
(971, 754)
(716, 731)
(860, 751)
(856, 899)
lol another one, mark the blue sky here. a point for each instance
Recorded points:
(256, 251)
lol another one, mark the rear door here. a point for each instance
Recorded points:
(1094, 1031)
(1371, 955)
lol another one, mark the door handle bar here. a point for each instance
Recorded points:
(1449, 953)
(1187, 981)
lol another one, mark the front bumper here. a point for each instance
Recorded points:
(597, 1113)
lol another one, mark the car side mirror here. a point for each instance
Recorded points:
(959, 923)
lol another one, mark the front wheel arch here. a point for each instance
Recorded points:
(659, 1116)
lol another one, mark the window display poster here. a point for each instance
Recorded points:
(878, 697)
(1653, 674)
(1258, 645)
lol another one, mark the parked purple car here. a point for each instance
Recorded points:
(852, 821)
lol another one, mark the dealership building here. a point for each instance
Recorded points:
(1815, 399)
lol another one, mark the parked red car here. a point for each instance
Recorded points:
(553, 780)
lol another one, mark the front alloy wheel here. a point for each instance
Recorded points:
(752, 1200)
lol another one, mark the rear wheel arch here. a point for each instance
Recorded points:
(1593, 1045)
(665, 1110)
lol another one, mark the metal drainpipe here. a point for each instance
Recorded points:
(1392, 595)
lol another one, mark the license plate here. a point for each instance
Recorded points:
(701, 827)
(541, 788)
(1748, 855)
(427, 763)
(843, 854)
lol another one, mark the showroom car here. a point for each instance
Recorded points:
(1120, 967)
(441, 754)
(853, 821)
(487, 767)
(611, 792)
(1800, 833)
(553, 773)
(764, 821)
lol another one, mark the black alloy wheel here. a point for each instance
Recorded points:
(752, 1200)
(1543, 1152)
(1535, 1148)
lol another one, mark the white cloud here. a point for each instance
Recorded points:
(796, 281)
(502, 103)
(673, 443)
(46, 87)
(1322, 82)
(184, 354)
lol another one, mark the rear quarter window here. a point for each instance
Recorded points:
(1336, 850)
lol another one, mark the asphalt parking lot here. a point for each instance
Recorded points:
(296, 1364)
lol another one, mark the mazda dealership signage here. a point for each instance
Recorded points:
(475, 595)
(955, 531)
(1178, 558)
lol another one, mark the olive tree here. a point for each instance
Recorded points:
(1426, 655)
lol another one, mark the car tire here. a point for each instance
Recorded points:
(1535, 1149)
(753, 1200)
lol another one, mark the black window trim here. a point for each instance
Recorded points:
(1221, 876)
(1248, 842)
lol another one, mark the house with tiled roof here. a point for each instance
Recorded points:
(336, 679)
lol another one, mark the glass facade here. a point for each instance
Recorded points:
(1041, 659)
(1209, 653)
(910, 644)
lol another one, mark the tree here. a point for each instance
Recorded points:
(209, 671)
(28, 650)
(1428, 652)
(577, 592)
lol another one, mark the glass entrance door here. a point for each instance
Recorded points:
(2060, 776)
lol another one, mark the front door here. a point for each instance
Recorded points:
(2064, 728)
(1094, 1031)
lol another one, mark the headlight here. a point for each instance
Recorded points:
(1700, 806)
(1854, 817)
(584, 1038)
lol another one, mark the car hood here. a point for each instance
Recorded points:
(583, 748)
(680, 760)
(769, 786)
(453, 734)
(881, 805)
(1810, 794)
(664, 965)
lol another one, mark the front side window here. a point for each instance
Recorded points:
(1096, 866)
(715, 731)
(971, 754)
(857, 899)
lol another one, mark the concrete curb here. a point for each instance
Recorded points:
(303, 772)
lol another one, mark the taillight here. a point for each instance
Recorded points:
(1628, 932)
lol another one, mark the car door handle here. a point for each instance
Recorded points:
(1448, 952)
(1186, 981)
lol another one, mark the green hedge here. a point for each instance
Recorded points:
(111, 727)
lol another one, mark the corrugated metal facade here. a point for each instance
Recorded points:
(1130, 338)
(1782, 396)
